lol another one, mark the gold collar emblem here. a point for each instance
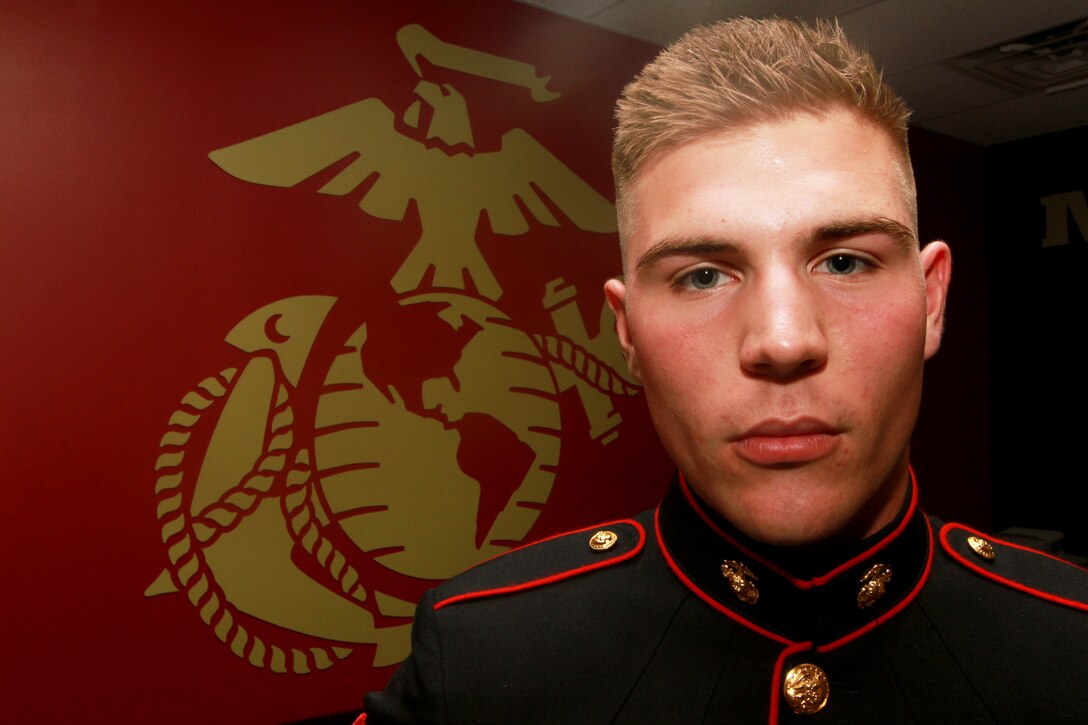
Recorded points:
(873, 585)
(741, 581)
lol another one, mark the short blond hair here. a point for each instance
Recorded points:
(741, 72)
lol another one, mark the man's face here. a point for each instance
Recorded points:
(778, 312)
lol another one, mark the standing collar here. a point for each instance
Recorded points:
(796, 598)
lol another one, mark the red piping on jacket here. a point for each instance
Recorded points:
(791, 646)
(1083, 606)
(561, 576)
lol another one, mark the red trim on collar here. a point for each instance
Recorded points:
(560, 576)
(697, 506)
(973, 566)
(798, 646)
(703, 595)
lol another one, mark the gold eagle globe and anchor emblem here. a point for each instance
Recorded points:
(307, 496)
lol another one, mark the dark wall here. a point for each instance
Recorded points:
(951, 444)
(1001, 419)
(1037, 306)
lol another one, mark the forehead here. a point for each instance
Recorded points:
(770, 177)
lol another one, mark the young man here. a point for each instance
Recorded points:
(778, 309)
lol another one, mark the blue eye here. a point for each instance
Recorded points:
(842, 264)
(704, 278)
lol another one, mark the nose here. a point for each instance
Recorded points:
(784, 335)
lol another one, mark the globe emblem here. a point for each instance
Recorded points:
(432, 475)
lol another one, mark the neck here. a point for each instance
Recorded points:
(811, 559)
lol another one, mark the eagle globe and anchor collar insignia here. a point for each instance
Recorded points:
(741, 581)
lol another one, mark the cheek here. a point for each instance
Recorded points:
(680, 351)
(683, 366)
(882, 347)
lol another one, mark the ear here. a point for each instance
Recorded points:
(615, 292)
(936, 260)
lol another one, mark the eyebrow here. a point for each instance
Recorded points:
(845, 229)
(867, 225)
(678, 246)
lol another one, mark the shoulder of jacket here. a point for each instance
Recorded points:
(557, 558)
(1017, 567)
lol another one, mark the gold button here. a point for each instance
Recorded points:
(981, 547)
(806, 689)
(874, 584)
(740, 579)
(603, 540)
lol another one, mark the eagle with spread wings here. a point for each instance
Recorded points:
(451, 190)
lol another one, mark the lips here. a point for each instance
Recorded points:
(781, 442)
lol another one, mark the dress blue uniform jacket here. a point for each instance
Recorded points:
(650, 630)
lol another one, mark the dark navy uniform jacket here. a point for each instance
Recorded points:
(650, 630)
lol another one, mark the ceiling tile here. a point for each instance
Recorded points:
(1016, 118)
(933, 91)
(904, 34)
